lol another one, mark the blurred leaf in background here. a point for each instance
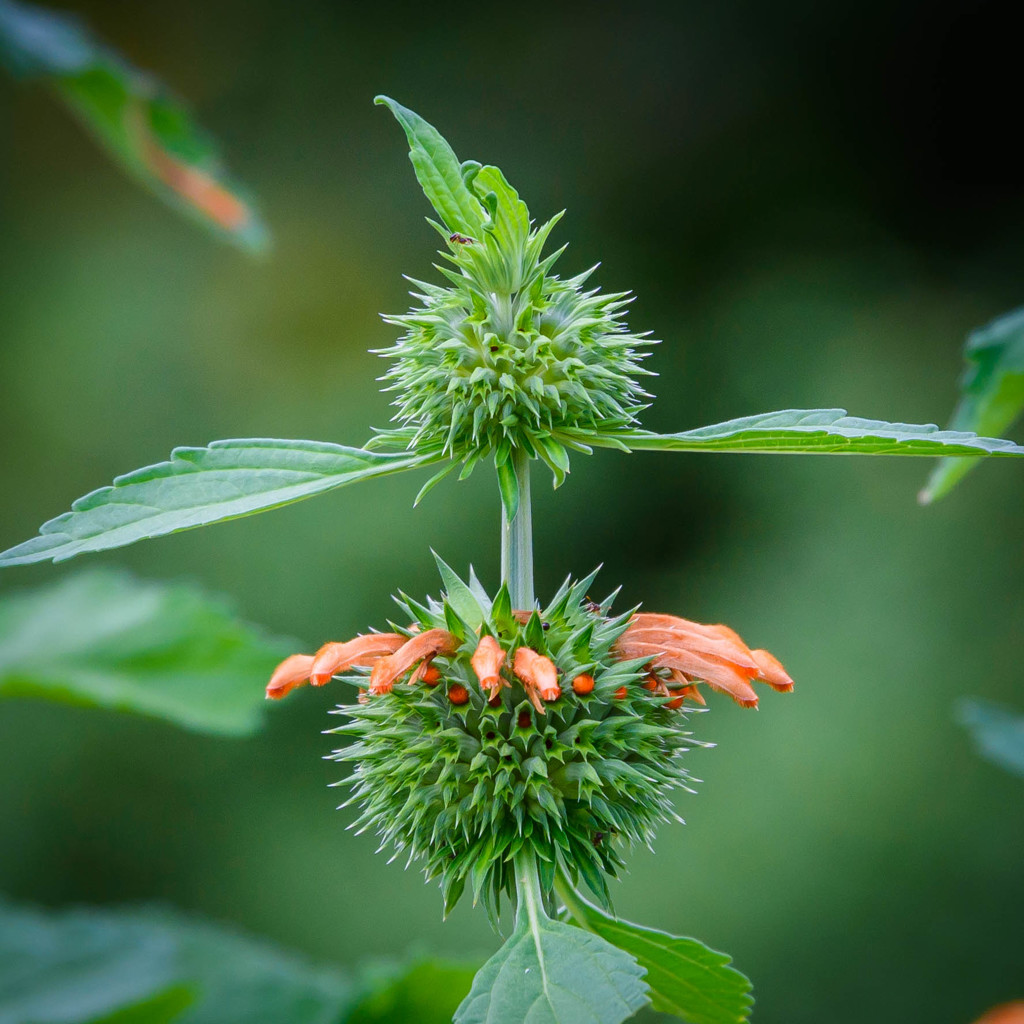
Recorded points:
(147, 966)
(105, 639)
(998, 733)
(992, 393)
(145, 129)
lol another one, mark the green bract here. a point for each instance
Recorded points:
(468, 788)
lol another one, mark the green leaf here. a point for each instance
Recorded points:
(459, 595)
(84, 966)
(992, 392)
(199, 486)
(145, 966)
(998, 733)
(686, 978)
(147, 131)
(508, 485)
(438, 171)
(104, 639)
(62, 969)
(427, 992)
(551, 973)
(811, 432)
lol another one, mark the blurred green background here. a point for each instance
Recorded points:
(814, 204)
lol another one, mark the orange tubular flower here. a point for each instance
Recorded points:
(423, 645)
(487, 661)
(693, 652)
(293, 671)
(334, 658)
(539, 676)
(389, 654)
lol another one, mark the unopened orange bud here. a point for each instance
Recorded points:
(583, 684)
(620, 693)
(538, 673)
(676, 702)
(458, 694)
(650, 683)
(431, 675)
(487, 661)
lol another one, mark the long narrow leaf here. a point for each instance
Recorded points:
(992, 391)
(150, 133)
(812, 432)
(438, 171)
(198, 486)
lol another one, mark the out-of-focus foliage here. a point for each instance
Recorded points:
(143, 127)
(104, 639)
(992, 390)
(148, 966)
(998, 733)
(685, 978)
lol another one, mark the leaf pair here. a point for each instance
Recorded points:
(230, 479)
(600, 972)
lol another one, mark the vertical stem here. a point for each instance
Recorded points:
(517, 539)
(517, 572)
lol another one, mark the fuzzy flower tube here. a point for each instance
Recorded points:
(514, 749)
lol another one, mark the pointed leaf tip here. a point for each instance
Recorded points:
(438, 171)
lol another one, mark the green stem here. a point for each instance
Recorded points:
(530, 902)
(517, 539)
(574, 903)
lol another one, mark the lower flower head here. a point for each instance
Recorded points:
(562, 730)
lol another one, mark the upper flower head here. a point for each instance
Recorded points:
(507, 355)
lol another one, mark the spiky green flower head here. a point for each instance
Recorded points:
(509, 356)
(463, 776)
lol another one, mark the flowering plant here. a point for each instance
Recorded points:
(514, 748)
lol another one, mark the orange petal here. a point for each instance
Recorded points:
(728, 650)
(487, 661)
(772, 672)
(422, 645)
(537, 672)
(1005, 1013)
(293, 671)
(719, 674)
(334, 658)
